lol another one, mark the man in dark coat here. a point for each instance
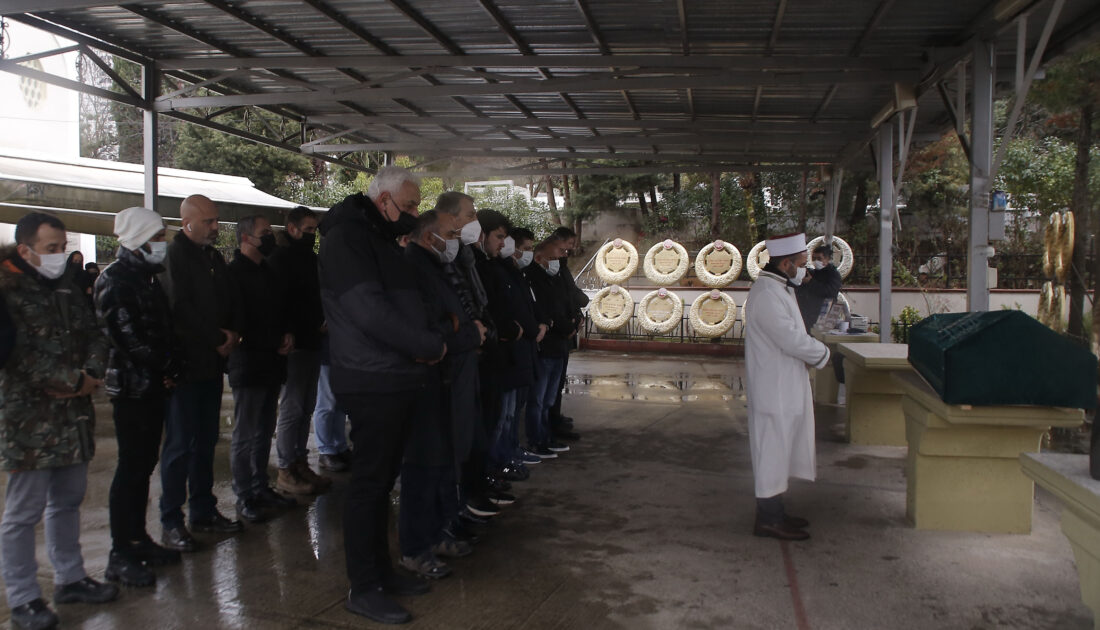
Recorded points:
(383, 346)
(296, 264)
(561, 425)
(257, 368)
(822, 283)
(206, 316)
(142, 367)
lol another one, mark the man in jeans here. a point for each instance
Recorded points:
(206, 317)
(329, 421)
(296, 264)
(46, 420)
(382, 345)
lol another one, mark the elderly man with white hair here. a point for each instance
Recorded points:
(382, 344)
(781, 407)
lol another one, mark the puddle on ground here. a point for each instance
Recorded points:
(671, 388)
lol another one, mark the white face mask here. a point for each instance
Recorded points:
(819, 265)
(450, 251)
(470, 232)
(525, 258)
(51, 265)
(553, 267)
(509, 247)
(159, 251)
(799, 275)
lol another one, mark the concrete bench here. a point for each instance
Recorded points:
(962, 471)
(1066, 476)
(825, 386)
(873, 398)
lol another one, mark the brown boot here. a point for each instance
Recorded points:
(289, 482)
(305, 473)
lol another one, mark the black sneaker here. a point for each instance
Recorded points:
(426, 565)
(151, 554)
(374, 604)
(499, 484)
(544, 452)
(458, 531)
(217, 524)
(481, 506)
(34, 615)
(468, 516)
(557, 447)
(86, 591)
(128, 571)
(499, 497)
(250, 510)
(179, 539)
(515, 472)
(268, 498)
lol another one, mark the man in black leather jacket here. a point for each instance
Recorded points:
(141, 369)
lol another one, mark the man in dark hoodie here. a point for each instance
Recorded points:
(382, 347)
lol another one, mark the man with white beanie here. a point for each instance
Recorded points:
(141, 370)
(781, 408)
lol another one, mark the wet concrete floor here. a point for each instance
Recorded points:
(646, 523)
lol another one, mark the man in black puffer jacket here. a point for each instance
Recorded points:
(382, 344)
(141, 368)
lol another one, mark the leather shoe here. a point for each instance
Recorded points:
(795, 522)
(151, 554)
(780, 530)
(86, 591)
(180, 539)
(128, 571)
(217, 524)
(34, 615)
(398, 584)
(375, 605)
(250, 510)
(267, 497)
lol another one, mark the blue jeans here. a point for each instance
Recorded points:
(501, 450)
(328, 419)
(187, 459)
(296, 403)
(542, 399)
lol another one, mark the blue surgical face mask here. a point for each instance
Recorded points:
(450, 251)
(553, 268)
(525, 258)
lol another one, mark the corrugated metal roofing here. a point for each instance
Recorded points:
(798, 80)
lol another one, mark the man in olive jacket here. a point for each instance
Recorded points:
(46, 420)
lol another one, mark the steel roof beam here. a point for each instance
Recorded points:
(497, 61)
(546, 143)
(662, 167)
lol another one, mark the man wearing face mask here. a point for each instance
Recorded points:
(781, 410)
(296, 264)
(552, 296)
(458, 221)
(143, 366)
(47, 420)
(562, 425)
(822, 283)
(382, 347)
(206, 311)
(257, 369)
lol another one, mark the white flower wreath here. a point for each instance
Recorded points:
(652, 326)
(839, 245)
(616, 277)
(711, 331)
(673, 276)
(613, 323)
(710, 279)
(757, 258)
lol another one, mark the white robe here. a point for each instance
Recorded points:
(781, 406)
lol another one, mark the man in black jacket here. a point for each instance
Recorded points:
(552, 295)
(142, 367)
(382, 345)
(257, 369)
(822, 283)
(206, 318)
(296, 264)
(562, 425)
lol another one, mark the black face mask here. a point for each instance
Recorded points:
(308, 239)
(403, 225)
(267, 244)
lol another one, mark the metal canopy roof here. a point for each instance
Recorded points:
(685, 84)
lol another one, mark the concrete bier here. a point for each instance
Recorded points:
(873, 405)
(823, 382)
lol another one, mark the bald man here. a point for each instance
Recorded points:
(206, 317)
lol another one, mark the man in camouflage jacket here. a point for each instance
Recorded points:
(46, 419)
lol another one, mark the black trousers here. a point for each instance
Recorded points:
(555, 411)
(380, 425)
(139, 425)
(429, 497)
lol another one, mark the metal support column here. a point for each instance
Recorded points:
(981, 161)
(888, 205)
(150, 83)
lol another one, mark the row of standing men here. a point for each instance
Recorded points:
(423, 330)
